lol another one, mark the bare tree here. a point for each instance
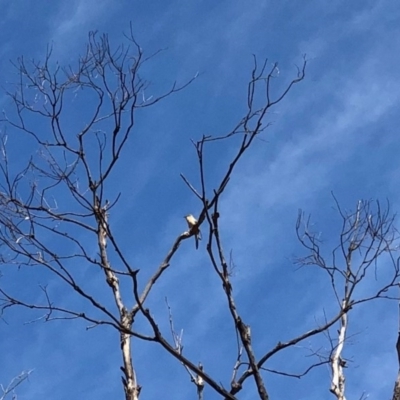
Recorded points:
(366, 235)
(63, 194)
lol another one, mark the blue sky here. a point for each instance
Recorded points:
(336, 131)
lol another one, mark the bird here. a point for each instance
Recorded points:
(193, 228)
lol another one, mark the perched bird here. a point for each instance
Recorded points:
(193, 228)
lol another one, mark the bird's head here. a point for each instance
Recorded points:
(190, 219)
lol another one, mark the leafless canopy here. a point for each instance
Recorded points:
(367, 240)
(54, 212)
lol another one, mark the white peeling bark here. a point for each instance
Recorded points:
(131, 387)
(337, 363)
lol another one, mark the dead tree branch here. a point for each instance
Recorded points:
(61, 192)
(14, 383)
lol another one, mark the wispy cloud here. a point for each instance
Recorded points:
(73, 20)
